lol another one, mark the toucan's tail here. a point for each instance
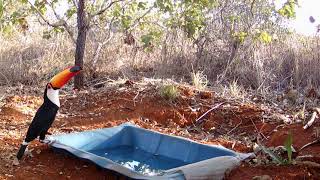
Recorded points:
(22, 149)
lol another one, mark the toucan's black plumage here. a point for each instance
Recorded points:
(41, 122)
(46, 114)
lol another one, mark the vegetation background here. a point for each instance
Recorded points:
(227, 72)
(237, 42)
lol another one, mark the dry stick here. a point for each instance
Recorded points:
(235, 127)
(135, 97)
(200, 120)
(311, 121)
(5, 77)
(309, 144)
(308, 163)
(258, 131)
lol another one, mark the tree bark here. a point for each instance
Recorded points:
(81, 42)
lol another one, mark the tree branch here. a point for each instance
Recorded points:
(101, 11)
(75, 3)
(65, 24)
(106, 39)
(56, 24)
(137, 21)
(60, 22)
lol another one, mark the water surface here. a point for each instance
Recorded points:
(139, 160)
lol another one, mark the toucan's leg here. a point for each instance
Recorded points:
(42, 136)
(22, 149)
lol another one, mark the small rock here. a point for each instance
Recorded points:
(256, 148)
(263, 177)
(9, 175)
(255, 160)
(15, 161)
(38, 151)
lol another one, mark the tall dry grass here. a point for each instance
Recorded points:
(292, 61)
(30, 59)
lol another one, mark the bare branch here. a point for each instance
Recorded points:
(56, 24)
(106, 39)
(137, 21)
(65, 24)
(75, 3)
(60, 22)
(101, 11)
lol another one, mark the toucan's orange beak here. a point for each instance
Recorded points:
(62, 78)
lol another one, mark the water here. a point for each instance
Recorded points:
(139, 160)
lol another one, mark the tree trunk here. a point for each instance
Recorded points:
(81, 42)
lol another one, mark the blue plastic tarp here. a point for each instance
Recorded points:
(143, 154)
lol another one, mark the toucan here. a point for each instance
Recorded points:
(47, 112)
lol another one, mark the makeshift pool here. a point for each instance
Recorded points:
(143, 154)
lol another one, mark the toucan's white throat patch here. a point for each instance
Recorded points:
(53, 96)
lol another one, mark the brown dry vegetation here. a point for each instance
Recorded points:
(260, 83)
(289, 62)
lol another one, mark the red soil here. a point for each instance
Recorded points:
(231, 125)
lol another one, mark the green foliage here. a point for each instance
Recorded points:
(288, 9)
(142, 6)
(70, 12)
(264, 37)
(150, 38)
(116, 10)
(50, 33)
(274, 157)
(46, 34)
(164, 5)
(288, 145)
(12, 15)
(189, 15)
(1, 8)
(169, 92)
(41, 6)
(240, 36)
(126, 21)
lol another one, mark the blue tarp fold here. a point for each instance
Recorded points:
(143, 154)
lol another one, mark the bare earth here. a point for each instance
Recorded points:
(234, 125)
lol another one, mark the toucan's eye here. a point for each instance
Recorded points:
(49, 86)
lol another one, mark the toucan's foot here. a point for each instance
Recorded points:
(28, 152)
(22, 150)
(45, 141)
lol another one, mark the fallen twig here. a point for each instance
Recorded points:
(311, 121)
(136, 96)
(309, 144)
(258, 131)
(308, 163)
(200, 119)
(235, 127)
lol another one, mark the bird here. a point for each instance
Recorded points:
(47, 112)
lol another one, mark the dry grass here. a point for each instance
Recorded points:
(169, 92)
(199, 80)
(31, 60)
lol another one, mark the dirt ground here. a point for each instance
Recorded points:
(234, 125)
